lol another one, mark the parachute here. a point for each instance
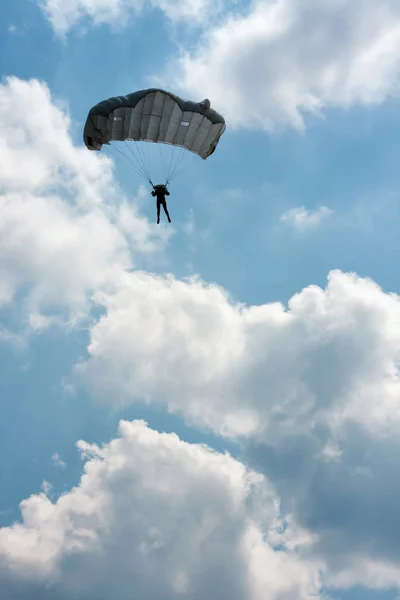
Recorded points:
(156, 116)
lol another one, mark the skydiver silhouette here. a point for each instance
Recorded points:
(161, 191)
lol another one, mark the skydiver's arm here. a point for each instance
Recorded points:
(153, 193)
(167, 192)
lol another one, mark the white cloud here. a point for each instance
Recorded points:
(56, 458)
(20, 29)
(312, 391)
(303, 219)
(376, 575)
(65, 14)
(192, 11)
(11, 339)
(285, 58)
(259, 370)
(331, 452)
(47, 488)
(158, 517)
(65, 229)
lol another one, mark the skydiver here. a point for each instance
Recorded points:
(161, 191)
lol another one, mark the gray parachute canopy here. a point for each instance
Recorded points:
(155, 115)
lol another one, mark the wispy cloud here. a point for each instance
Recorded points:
(63, 15)
(57, 460)
(46, 487)
(189, 225)
(301, 218)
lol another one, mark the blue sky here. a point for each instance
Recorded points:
(258, 335)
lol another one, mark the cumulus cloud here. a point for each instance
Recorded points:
(258, 370)
(65, 228)
(160, 518)
(65, 14)
(285, 59)
(312, 391)
(302, 219)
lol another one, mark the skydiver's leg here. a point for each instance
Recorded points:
(166, 210)
(158, 210)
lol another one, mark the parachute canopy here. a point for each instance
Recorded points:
(155, 115)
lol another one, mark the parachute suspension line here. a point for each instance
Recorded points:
(141, 161)
(176, 173)
(143, 149)
(180, 155)
(167, 152)
(181, 162)
(136, 157)
(163, 160)
(147, 156)
(170, 158)
(135, 168)
(140, 150)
